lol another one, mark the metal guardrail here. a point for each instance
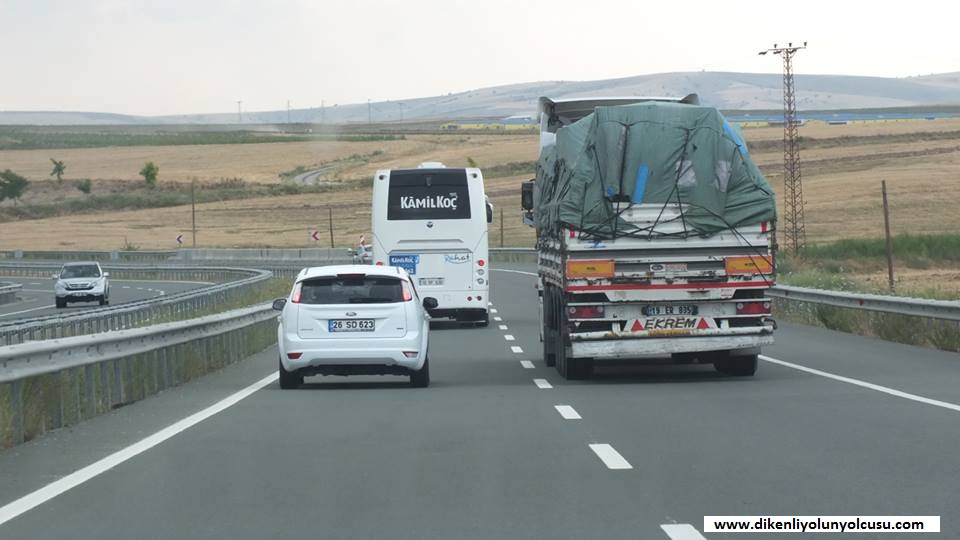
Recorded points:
(914, 307)
(37, 358)
(131, 314)
(8, 292)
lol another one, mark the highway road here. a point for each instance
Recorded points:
(36, 297)
(501, 447)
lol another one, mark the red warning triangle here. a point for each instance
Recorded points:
(637, 327)
(703, 324)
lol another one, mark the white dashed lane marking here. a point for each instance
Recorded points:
(497, 319)
(503, 327)
(516, 349)
(493, 310)
(508, 337)
(610, 457)
(567, 412)
(526, 364)
(542, 384)
(682, 531)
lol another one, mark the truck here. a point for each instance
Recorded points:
(655, 236)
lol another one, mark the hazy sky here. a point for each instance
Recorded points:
(192, 56)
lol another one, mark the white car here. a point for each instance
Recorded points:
(81, 282)
(353, 320)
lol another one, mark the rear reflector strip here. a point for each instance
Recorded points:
(748, 265)
(294, 355)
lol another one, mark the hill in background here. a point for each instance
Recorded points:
(725, 90)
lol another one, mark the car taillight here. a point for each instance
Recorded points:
(407, 295)
(294, 355)
(585, 312)
(379, 263)
(753, 308)
(295, 297)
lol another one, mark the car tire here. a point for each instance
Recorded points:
(289, 380)
(60, 302)
(736, 366)
(103, 300)
(421, 378)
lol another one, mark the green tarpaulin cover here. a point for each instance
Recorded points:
(650, 153)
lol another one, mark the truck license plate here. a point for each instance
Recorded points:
(350, 325)
(676, 309)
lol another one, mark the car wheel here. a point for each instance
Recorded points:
(103, 300)
(736, 366)
(289, 380)
(421, 378)
(60, 302)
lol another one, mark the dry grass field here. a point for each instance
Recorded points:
(841, 185)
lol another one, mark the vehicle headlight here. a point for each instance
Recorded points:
(59, 285)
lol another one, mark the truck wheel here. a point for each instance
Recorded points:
(737, 366)
(569, 368)
(549, 347)
(289, 380)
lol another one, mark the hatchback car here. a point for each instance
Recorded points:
(353, 320)
(81, 282)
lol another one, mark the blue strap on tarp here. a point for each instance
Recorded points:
(641, 185)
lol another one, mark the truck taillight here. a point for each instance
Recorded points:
(753, 308)
(295, 297)
(585, 312)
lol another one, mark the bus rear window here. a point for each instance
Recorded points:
(428, 194)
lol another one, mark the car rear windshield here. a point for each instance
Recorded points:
(351, 290)
(428, 194)
(80, 271)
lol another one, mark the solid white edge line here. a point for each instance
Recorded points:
(864, 384)
(526, 364)
(51, 306)
(682, 531)
(74, 479)
(516, 349)
(503, 327)
(567, 412)
(542, 384)
(610, 457)
(508, 337)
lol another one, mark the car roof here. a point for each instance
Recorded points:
(81, 263)
(368, 269)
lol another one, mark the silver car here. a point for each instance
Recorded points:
(81, 282)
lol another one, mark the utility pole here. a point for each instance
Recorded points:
(239, 114)
(886, 230)
(794, 229)
(401, 111)
(369, 112)
(330, 214)
(288, 111)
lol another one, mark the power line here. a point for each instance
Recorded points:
(794, 233)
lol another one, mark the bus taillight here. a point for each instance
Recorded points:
(480, 262)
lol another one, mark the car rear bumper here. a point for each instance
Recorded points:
(377, 356)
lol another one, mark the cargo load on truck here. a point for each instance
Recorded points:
(649, 153)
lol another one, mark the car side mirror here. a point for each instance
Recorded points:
(279, 303)
(526, 195)
(106, 274)
(430, 303)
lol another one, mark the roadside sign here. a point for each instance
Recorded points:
(314, 234)
(180, 239)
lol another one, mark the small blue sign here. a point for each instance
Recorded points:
(407, 262)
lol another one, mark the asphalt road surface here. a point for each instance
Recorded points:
(499, 446)
(36, 297)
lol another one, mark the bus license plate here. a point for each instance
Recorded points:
(431, 281)
(679, 309)
(350, 325)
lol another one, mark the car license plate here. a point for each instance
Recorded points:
(431, 281)
(350, 325)
(670, 309)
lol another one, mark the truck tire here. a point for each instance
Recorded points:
(549, 346)
(736, 366)
(568, 367)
